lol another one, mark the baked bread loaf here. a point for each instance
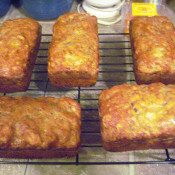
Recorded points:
(19, 44)
(74, 51)
(153, 48)
(138, 117)
(44, 127)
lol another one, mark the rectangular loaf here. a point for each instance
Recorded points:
(19, 44)
(74, 51)
(137, 117)
(44, 127)
(153, 49)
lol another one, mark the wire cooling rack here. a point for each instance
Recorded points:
(115, 68)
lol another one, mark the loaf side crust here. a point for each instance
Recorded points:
(19, 45)
(74, 51)
(138, 117)
(153, 49)
(44, 127)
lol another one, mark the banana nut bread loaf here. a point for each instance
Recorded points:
(19, 44)
(138, 117)
(74, 51)
(44, 127)
(153, 47)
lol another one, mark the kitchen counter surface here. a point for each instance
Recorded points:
(115, 68)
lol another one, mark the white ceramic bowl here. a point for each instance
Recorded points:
(103, 3)
(98, 12)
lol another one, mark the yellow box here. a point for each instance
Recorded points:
(144, 9)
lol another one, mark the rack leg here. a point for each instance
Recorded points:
(77, 159)
(168, 156)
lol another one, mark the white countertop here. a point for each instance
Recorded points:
(115, 67)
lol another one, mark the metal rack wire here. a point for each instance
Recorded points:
(115, 68)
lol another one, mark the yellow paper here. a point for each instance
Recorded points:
(144, 9)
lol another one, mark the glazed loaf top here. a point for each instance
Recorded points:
(129, 112)
(153, 43)
(39, 123)
(18, 39)
(75, 44)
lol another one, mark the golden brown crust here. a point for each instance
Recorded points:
(73, 53)
(19, 44)
(153, 46)
(137, 117)
(38, 125)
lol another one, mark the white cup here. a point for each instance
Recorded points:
(100, 13)
(103, 3)
(107, 11)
